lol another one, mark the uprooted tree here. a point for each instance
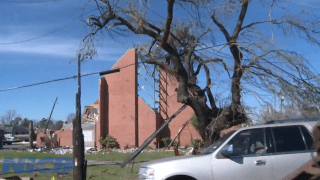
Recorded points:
(180, 46)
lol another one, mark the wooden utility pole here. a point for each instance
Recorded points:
(79, 166)
(148, 141)
(31, 134)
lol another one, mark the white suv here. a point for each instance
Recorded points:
(261, 152)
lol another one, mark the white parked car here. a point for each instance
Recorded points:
(261, 152)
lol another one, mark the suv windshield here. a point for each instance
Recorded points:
(217, 144)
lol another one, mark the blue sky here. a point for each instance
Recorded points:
(50, 56)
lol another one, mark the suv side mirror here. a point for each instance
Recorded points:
(227, 151)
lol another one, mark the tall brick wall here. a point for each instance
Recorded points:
(122, 101)
(102, 128)
(147, 122)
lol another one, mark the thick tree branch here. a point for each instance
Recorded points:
(198, 69)
(187, 59)
(240, 19)
(152, 26)
(222, 28)
(168, 23)
(151, 46)
(141, 30)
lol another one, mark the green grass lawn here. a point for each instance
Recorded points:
(115, 156)
(100, 156)
(109, 172)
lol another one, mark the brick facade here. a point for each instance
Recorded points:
(122, 118)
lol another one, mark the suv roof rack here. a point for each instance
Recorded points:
(292, 120)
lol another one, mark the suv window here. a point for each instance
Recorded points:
(249, 142)
(307, 137)
(288, 139)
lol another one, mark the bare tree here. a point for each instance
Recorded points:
(17, 121)
(71, 117)
(9, 117)
(178, 47)
(288, 111)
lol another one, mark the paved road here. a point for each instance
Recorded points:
(7, 148)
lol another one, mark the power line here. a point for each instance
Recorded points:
(51, 32)
(31, 39)
(61, 79)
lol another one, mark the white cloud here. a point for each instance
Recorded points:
(65, 49)
(55, 46)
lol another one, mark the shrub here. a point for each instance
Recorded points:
(186, 146)
(166, 141)
(109, 142)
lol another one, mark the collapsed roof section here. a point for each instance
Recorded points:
(91, 113)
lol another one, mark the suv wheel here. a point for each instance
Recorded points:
(182, 177)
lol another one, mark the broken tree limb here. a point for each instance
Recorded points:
(54, 104)
(178, 134)
(148, 141)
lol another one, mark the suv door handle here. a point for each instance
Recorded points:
(260, 162)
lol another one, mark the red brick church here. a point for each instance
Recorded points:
(123, 114)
